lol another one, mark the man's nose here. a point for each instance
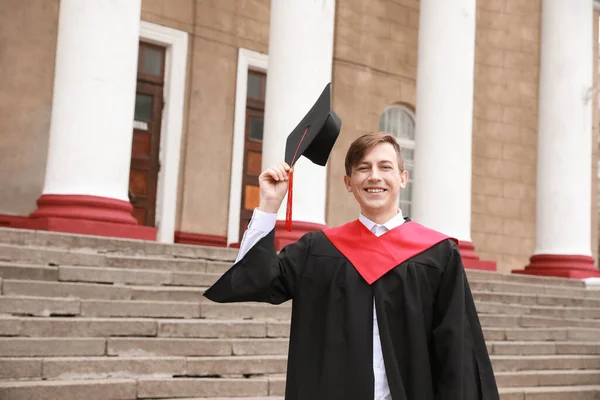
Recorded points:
(374, 176)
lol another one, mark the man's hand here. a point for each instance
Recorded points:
(273, 184)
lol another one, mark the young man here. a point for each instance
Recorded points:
(381, 306)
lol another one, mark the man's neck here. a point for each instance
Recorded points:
(380, 218)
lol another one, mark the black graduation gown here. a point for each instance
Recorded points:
(432, 342)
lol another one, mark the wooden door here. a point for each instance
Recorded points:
(145, 164)
(255, 110)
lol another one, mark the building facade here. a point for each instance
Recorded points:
(153, 118)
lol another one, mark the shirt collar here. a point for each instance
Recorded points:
(394, 222)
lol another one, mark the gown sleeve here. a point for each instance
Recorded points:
(262, 275)
(461, 364)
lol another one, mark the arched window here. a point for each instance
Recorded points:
(400, 121)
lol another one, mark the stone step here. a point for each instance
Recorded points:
(208, 329)
(167, 293)
(113, 367)
(535, 299)
(529, 288)
(114, 275)
(238, 365)
(257, 311)
(473, 274)
(169, 366)
(227, 398)
(114, 389)
(156, 263)
(48, 256)
(39, 306)
(139, 308)
(531, 321)
(208, 387)
(13, 270)
(548, 311)
(545, 362)
(77, 327)
(20, 368)
(539, 334)
(547, 378)
(134, 347)
(588, 392)
(66, 241)
(48, 347)
(65, 289)
(72, 368)
(542, 348)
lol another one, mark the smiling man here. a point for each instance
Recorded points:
(381, 305)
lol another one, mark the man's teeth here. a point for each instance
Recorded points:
(374, 190)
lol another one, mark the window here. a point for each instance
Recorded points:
(399, 121)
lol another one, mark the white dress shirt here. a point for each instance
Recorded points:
(262, 223)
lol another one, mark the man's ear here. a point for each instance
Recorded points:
(347, 183)
(403, 179)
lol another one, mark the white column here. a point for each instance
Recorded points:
(564, 155)
(94, 96)
(444, 117)
(300, 64)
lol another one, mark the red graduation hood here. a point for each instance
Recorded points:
(374, 256)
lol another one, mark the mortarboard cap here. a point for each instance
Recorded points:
(312, 138)
(316, 134)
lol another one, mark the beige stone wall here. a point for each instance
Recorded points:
(505, 130)
(28, 32)
(217, 30)
(375, 61)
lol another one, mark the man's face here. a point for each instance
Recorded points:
(376, 181)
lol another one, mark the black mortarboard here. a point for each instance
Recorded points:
(316, 134)
(312, 138)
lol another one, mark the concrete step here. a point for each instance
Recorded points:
(114, 389)
(137, 347)
(531, 321)
(478, 275)
(49, 347)
(547, 378)
(539, 334)
(65, 289)
(588, 392)
(74, 368)
(545, 362)
(48, 256)
(535, 299)
(66, 241)
(542, 348)
(257, 311)
(9, 270)
(550, 311)
(139, 308)
(216, 329)
(529, 288)
(156, 263)
(208, 387)
(39, 306)
(77, 327)
(167, 293)
(135, 276)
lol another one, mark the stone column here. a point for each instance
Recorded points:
(564, 158)
(444, 122)
(300, 64)
(87, 171)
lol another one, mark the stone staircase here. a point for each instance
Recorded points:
(97, 319)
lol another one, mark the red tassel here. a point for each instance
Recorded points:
(288, 213)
